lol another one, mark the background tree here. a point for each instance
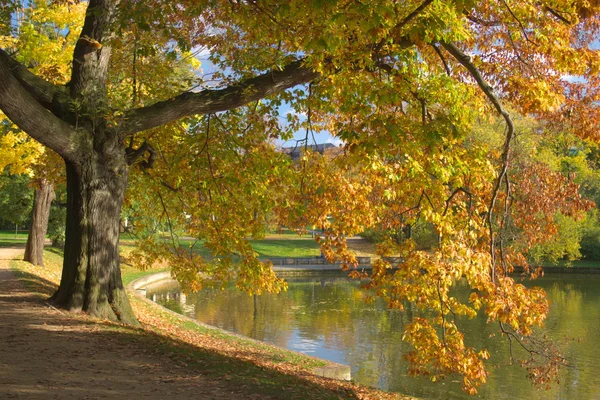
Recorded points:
(17, 155)
(15, 199)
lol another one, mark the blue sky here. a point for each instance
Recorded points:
(314, 137)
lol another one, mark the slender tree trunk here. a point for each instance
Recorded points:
(91, 277)
(34, 251)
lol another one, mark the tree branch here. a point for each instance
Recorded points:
(212, 101)
(91, 57)
(558, 15)
(41, 90)
(134, 154)
(465, 60)
(403, 23)
(482, 22)
(441, 56)
(29, 115)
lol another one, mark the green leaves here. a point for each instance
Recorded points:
(16, 198)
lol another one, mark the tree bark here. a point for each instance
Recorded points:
(34, 251)
(91, 276)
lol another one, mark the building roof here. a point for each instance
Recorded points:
(296, 151)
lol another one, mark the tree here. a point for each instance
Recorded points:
(15, 199)
(399, 83)
(48, 172)
(20, 154)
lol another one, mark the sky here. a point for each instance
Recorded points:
(318, 137)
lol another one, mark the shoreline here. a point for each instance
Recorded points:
(238, 366)
(139, 286)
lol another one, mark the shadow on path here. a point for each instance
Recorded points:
(48, 354)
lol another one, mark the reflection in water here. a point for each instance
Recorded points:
(328, 318)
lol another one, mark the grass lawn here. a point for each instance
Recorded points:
(285, 244)
(305, 247)
(287, 234)
(286, 247)
(292, 247)
(576, 263)
(7, 238)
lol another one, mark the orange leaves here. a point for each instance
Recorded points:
(515, 305)
(534, 96)
(439, 352)
(540, 193)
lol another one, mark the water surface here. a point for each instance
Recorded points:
(327, 317)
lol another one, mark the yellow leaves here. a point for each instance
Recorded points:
(18, 152)
(195, 63)
(515, 305)
(39, 44)
(535, 95)
(7, 41)
(62, 15)
(475, 300)
(442, 352)
(484, 354)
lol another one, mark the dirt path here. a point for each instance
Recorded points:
(47, 354)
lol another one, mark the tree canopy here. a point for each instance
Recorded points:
(403, 85)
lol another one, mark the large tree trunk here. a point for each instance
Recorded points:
(34, 251)
(91, 277)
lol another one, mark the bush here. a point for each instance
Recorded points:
(423, 234)
(564, 245)
(590, 241)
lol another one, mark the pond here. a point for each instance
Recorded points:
(325, 316)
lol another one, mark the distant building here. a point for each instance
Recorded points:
(296, 151)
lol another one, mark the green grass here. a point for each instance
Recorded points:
(576, 263)
(7, 238)
(285, 243)
(305, 247)
(129, 273)
(287, 234)
(286, 247)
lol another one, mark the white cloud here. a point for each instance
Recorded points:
(573, 78)
(335, 141)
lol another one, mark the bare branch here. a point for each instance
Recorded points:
(211, 101)
(441, 56)
(134, 154)
(465, 60)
